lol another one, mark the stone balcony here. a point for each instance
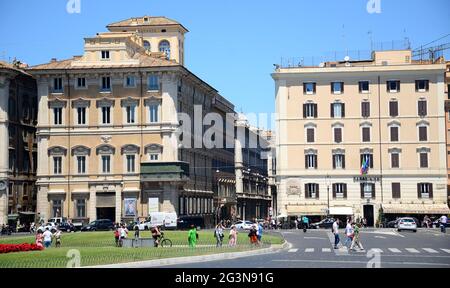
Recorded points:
(164, 171)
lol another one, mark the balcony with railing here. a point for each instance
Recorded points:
(164, 171)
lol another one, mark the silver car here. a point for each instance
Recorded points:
(407, 223)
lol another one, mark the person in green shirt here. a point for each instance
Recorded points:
(192, 236)
(356, 240)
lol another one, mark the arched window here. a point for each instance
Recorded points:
(164, 46)
(147, 45)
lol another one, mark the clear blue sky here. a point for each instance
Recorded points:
(232, 44)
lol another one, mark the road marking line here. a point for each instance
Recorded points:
(380, 237)
(429, 250)
(315, 238)
(446, 250)
(362, 262)
(394, 250)
(309, 250)
(292, 250)
(376, 250)
(329, 250)
(412, 250)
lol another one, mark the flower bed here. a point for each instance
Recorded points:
(7, 248)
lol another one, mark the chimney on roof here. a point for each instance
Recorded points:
(53, 60)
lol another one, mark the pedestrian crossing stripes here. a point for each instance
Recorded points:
(394, 250)
(341, 250)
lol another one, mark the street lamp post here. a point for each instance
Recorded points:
(328, 194)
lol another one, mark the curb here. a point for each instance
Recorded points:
(194, 259)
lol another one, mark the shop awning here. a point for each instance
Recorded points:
(416, 209)
(341, 211)
(296, 210)
(13, 216)
(27, 213)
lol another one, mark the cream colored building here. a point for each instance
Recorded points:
(447, 117)
(108, 144)
(388, 110)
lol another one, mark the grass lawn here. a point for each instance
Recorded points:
(97, 248)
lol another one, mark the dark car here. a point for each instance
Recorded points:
(186, 222)
(99, 225)
(326, 223)
(67, 227)
(392, 224)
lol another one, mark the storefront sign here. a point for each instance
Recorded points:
(366, 179)
(153, 205)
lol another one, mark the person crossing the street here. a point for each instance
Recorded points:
(443, 221)
(305, 221)
(349, 233)
(336, 233)
(356, 238)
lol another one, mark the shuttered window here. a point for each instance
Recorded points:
(422, 108)
(424, 160)
(396, 190)
(423, 133)
(310, 135)
(424, 190)
(395, 160)
(310, 110)
(366, 134)
(365, 109)
(393, 108)
(337, 135)
(394, 134)
(338, 161)
(312, 190)
(422, 85)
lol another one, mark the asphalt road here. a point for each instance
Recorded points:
(384, 248)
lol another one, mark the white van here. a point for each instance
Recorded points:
(166, 219)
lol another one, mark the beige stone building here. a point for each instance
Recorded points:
(387, 112)
(251, 171)
(108, 138)
(447, 117)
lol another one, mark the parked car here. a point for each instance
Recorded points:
(392, 224)
(98, 225)
(58, 220)
(66, 226)
(50, 225)
(244, 225)
(407, 223)
(326, 223)
(185, 222)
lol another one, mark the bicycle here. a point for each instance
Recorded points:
(164, 242)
